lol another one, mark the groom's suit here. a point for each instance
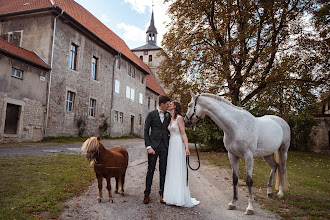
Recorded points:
(156, 135)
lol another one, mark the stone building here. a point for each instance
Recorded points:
(321, 133)
(95, 85)
(23, 89)
(150, 55)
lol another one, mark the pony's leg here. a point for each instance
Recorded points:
(249, 181)
(99, 181)
(116, 189)
(273, 167)
(122, 184)
(234, 161)
(109, 189)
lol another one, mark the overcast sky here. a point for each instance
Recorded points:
(129, 19)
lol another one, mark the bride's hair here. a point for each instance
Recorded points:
(177, 109)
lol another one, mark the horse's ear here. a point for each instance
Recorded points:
(192, 94)
(98, 138)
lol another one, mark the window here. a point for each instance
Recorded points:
(94, 68)
(70, 101)
(155, 104)
(132, 94)
(150, 58)
(117, 85)
(140, 119)
(128, 92)
(133, 72)
(141, 98)
(16, 73)
(73, 57)
(148, 102)
(115, 116)
(145, 52)
(92, 106)
(117, 63)
(141, 57)
(128, 69)
(121, 116)
(141, 78)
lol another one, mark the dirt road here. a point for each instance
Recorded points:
(210, 185)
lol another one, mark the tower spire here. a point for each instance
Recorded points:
(152, 31)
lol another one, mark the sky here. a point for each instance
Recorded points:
(129, 19)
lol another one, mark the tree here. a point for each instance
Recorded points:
(243, 49)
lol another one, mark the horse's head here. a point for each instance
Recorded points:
(194, 113)
(91, 147)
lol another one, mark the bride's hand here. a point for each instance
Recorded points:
(187, 152)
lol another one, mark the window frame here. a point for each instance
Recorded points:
(69, 102)
(121, 117)
(94, 68)
(92, 107)
(73, 56)
(16, 71)
(117, 86)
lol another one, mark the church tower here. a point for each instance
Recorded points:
(150, 52)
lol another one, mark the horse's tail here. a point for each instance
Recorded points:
(278, 175)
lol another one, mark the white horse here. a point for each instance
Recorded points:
(245, 137)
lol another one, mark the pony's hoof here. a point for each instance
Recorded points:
(231, 207)
(270, 195)
(122, 193)
(99, 200)
(116, 191)
(249, 212)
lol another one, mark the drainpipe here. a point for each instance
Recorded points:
(51, 71)
(113, 87)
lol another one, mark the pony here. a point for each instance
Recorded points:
(246, 137)
(108, 163)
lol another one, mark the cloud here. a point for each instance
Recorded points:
(139, 5)
(132, 33)
(105, 19)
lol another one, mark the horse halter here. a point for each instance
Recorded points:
(194, 113)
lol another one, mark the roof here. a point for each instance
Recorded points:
(153, 85)
(22, 54)
(78, 13)
(147, 47)
(152, 27)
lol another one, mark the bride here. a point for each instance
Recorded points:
(176, 190)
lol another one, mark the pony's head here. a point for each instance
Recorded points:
(194, 112)
(91, 147)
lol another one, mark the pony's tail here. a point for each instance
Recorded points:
(278, 174)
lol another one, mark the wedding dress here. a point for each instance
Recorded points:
(176, 190)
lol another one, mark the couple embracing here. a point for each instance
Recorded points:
(162, 123)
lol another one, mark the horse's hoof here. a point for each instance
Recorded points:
(270, 195)
(116, 191)
(231, 207)
(279, 196)
(99, 200)
(249, 212)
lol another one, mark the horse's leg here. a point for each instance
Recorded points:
(273, 167)
(116, 189)
(283, 154)
(234, 161)
(249, 181)
(99, 181)
(109, 189)
(122, 184)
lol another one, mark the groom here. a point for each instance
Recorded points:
(156, 143)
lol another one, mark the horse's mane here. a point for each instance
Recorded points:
(92, 143)
(221, 99)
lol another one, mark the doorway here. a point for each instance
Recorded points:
(12, 118)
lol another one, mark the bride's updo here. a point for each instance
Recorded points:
(177, 109)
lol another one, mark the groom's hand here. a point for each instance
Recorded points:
(151, 151)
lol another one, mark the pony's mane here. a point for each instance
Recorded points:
(221, 99)
(90, 144)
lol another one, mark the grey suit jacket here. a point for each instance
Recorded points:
(155, 130)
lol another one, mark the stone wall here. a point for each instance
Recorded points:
(321, 134)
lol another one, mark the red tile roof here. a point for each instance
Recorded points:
(22, 54)
(81, 15)
(153, 85)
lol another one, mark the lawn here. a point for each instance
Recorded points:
(34, 187)
(308, 196)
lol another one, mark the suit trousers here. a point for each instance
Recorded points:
(161, 152)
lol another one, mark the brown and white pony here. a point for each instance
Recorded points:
(108, 163)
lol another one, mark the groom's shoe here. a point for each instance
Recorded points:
(161, 199)
(146, 199)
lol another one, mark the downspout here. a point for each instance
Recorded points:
(113, 87)
(51, 71)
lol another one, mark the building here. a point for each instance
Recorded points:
(93, 83)
(150, 55)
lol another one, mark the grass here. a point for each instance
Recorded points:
(62, 139)
(34, 187)
(308, 196)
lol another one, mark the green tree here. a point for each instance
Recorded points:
(243, 49)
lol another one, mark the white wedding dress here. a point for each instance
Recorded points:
(176, 190)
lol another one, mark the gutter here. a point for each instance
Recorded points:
(51, 71)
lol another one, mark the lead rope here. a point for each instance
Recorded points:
(187, 160)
